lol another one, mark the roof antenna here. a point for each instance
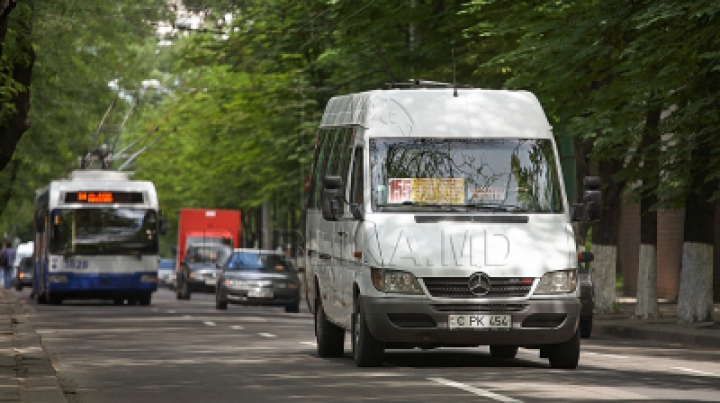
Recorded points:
(455, 93)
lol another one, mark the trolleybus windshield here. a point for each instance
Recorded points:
(104, 231)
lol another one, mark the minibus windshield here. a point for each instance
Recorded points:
(468, 175)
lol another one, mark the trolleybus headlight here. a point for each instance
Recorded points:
(395, 281)
(148, 278)
(58, 278)
(557, 282)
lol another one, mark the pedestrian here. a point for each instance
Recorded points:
(7, 258)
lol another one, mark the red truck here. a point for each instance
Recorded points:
(205, 226)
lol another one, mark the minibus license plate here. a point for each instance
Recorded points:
(210, 281)
(480, 322)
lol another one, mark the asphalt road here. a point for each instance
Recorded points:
(186, 351)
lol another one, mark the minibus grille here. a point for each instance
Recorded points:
(458, 287)
(480, 307)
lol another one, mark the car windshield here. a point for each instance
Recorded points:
(104, 231)
(431, 174)
(259, 261)
(204, 240)
(209, 254)
(166, 264)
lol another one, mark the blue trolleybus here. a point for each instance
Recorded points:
(97, 238)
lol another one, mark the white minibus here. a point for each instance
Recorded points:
(437, 217)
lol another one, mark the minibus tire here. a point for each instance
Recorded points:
(145, 299)
(330, 337)
(586, 325)
(566, 355)
(367, 350)
(503, 351)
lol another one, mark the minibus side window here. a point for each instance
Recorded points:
(356, 184)
(321, 152)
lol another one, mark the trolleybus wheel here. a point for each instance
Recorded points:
(145, 299)
(54, 299)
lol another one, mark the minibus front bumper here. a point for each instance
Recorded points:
(422, 322)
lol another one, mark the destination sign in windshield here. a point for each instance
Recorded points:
(104, 197)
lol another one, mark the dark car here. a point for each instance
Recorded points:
(258, 277)
(24, 273)
(199, 269)
(587, 294)
(166, 272)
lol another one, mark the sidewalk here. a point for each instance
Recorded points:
(26, 372)
(663, 329)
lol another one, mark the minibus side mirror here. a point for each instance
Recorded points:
(589, 209)
(331, 198)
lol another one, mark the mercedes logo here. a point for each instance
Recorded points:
(479, 284)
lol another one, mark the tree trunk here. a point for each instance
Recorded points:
(605, 237)
(6, 7)
(695, 303)
(647, 306)
(21, 72)
(582, 148)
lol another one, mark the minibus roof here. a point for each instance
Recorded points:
(438, 112)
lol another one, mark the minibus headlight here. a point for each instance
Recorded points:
(557, 282)
(395, 281)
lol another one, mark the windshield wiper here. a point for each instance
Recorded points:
(496, 207)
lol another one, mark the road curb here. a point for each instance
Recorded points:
(36, 377)
(658, 334)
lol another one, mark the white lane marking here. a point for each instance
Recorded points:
(606, 355)
(210, 323)
(237, 327)
(309, 343)
(471, 389)
(694, 371)
(171, 311)
(268, 335)
(187, 316)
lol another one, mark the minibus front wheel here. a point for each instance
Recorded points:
(565, 355)
(367, 350)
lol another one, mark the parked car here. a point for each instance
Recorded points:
(199, 270)
(587, 293)
(24, 273)
(258, 277)
(166, 271)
